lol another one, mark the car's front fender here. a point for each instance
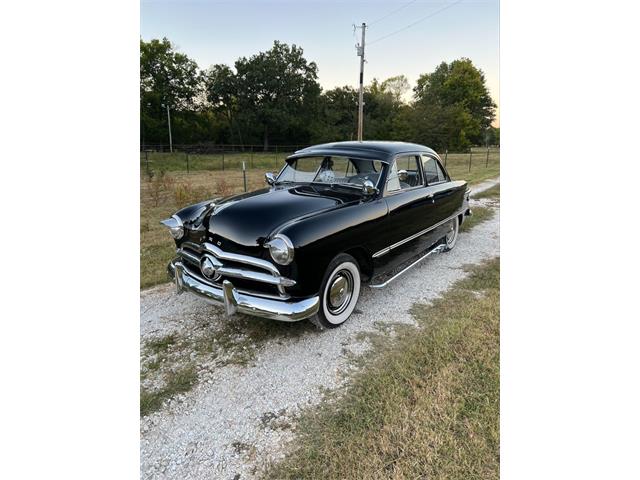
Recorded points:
(317, 239)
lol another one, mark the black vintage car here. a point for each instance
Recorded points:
(336, 215)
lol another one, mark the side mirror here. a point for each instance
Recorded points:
(368, 188)
(403, 175)
(270, 178)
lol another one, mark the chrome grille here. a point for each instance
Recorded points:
(254, 271)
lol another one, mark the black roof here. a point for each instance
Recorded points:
(371, 148)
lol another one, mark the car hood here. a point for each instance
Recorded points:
(250, 218)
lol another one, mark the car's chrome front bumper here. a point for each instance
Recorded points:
(236, 301)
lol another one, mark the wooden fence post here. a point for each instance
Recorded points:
(244, 175)
(470, 155)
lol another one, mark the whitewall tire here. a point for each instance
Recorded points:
(339, 292)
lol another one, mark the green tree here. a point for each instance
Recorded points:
(168, 78)
(337, 117)
(397, 86)
(221, 91)
(494, 136)
(382, 103)
(277, 90)
(454, 105)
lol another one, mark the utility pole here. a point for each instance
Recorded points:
(169, 121)
(360, 49)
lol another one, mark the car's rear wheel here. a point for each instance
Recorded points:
(339, 292)
(451, 237)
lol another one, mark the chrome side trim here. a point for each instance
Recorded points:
(386, 250)
(235, 300)
(439, 248)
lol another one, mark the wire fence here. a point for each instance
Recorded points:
(215, 158)
(192, 173)
(230, 158)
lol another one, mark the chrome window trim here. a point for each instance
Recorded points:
(438, 161)
(386, 250)
(402, 190)
(387, 193)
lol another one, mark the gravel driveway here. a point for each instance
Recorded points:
(238, 417)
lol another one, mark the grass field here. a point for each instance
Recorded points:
(424, 405)
(167, 186)
(229, 161)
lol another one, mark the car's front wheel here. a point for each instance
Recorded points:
(339, 292)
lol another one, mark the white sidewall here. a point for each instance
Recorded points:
(455, 238)
(338, 319)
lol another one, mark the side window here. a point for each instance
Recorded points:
(432, 170)
(404, 173)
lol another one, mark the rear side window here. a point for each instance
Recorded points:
(432, 170)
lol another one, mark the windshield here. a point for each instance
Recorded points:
(331, 170)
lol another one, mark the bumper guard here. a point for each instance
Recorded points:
(242, 302)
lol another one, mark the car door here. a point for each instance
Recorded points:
(445, 194)
(410, 211)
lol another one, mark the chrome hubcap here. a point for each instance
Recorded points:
(340, 291)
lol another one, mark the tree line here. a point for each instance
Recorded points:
(274, 97)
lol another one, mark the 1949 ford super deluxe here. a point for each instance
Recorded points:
(336, 215)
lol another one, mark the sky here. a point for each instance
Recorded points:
(220, 31)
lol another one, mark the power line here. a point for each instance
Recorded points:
(392, 12)
(415, 23)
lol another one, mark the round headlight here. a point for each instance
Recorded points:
(175, 226)
(281, 249)
(177, 232)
